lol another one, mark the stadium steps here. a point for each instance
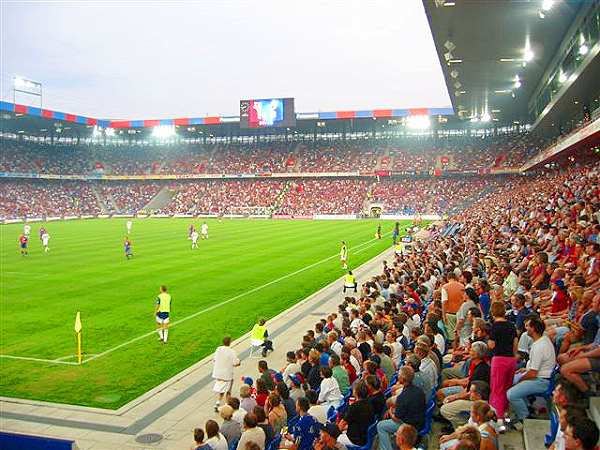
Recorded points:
(160, 200)
(111, 204)
(534, 431)
(470, 200)
(279, 200)
(294, 153)
(595, 410)
(100, 199)
(379, 164)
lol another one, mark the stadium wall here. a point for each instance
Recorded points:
(433, 217)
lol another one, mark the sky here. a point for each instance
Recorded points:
(156, 59)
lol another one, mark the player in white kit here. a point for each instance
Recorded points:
(27, 230)
(129, 225)
(204, 230)
(194, 237)
(45, 239)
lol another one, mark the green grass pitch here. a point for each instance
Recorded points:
(86, 271)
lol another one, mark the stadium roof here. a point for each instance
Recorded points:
(481, 45)
(151, 59)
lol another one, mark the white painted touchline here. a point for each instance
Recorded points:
(218, 305)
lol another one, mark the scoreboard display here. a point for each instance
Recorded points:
(267, 113)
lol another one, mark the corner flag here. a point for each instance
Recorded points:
(78, 332)
(78, 322)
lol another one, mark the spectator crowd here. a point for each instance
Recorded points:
(453, 153)
(491, 318)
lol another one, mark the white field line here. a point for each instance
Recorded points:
(191, 316)
(64, 358)
(27, 274)
(218, 305)
(51, 361)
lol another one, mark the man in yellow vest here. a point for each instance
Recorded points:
(350, 282)
(163, 310)
(259, 333)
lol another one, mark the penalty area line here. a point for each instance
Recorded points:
(218, 305)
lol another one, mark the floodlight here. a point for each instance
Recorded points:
(109, 132)
(419, 122)
(528, 55)
(562, 77)
(163, 131)
(474, 119)
(547, 5)
(486, 117)
(517, 82)
(583, 49)
(19, 82)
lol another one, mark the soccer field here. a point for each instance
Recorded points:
(245, 270)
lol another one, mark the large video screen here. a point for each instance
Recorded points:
(267, 113)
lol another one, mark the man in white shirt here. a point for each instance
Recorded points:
(45, 239)
(292, 367)
(534, 379)
(129, 225)
(27, 230)
(225, 359)
(194, 237)
(334, 345)
(204, 230)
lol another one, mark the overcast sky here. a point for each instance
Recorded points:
(143, 60)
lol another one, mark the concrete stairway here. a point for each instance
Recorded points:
(534, 431)
(160, 200)
(294, 154)
(279, 200)
(111, 204)
(99, 199)
(380, 165)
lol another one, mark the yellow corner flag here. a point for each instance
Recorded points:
(78, 322)
(78, 331)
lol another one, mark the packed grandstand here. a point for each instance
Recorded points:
(289, 179)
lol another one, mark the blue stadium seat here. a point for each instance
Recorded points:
(428, 419)
(233, 444)
(551, 436)
(331, 414)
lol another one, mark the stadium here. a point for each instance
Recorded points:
(297, 225)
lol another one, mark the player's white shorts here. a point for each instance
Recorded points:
(45, 243)
(205, 234)
(162, 317)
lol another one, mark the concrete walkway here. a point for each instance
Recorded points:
(180, 404)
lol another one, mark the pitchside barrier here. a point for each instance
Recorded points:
(433, 217)
(12, 441)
